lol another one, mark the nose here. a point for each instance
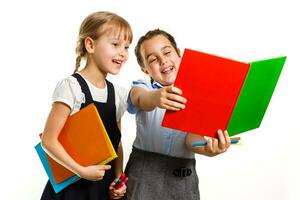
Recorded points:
(122, 52)
(163, 61)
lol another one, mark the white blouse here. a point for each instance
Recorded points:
(69, 92)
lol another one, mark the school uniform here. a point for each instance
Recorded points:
(160, 166)
(67, 91)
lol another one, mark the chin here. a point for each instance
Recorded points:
(171, 82)
(167, 83)
(115, 72)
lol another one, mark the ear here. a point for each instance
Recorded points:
(89, 45)
(144, 70)
(179, 52)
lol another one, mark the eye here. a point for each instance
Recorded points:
(126, 47)
(115, 44)
(152, 60)
(167, 52)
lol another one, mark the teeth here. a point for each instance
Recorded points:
(117, 61)
(167, 69)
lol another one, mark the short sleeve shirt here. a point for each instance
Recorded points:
(68, 91)
(150, 135)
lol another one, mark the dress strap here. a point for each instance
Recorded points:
(85, 89)
(110, 92)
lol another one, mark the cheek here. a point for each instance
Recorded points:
(125, 60)
(153, 69)
(176, 61)
(156, 73)
(126, 56)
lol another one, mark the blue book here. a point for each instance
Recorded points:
(57, 187)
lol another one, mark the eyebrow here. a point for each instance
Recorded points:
(115, 39)
(163, 48)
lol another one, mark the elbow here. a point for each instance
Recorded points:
(46, 142)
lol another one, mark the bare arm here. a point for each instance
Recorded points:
(167, 97)
(119, 161)
(118, 193)
(55, 122)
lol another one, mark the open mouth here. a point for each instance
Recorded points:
(119, 62)
(167, 70)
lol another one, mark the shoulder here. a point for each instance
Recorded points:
(142, 83)
(68, 84)
(68, 91)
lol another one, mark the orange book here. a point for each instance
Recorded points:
(85, 139)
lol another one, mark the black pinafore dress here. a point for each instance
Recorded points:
(84, 189)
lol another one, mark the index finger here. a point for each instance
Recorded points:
(175, 90)
(104, 167)
(227, 138)
(222, 139)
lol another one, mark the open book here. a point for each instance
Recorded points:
(85, 139)
(222, 93)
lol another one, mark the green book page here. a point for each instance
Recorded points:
(255, 95)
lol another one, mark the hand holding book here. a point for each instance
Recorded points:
(209, 146)
(94, 172)
(85, 139)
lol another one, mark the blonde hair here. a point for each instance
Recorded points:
(97, 24)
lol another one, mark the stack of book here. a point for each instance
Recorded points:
(85, 139)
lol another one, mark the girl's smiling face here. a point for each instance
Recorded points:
(161, 60)
(110, 52)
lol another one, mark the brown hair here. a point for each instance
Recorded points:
(149, 35)
(95, 25)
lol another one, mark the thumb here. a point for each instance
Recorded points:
(104, 167)
(111, 186)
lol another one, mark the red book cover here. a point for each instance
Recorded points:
(211, 85)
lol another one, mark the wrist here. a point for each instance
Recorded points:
(79, 170)
(118, 173)
(155, 97)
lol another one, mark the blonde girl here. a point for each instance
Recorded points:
(104, 39)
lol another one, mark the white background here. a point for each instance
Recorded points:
(37, 50)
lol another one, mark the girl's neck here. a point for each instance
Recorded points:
(94, 76)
